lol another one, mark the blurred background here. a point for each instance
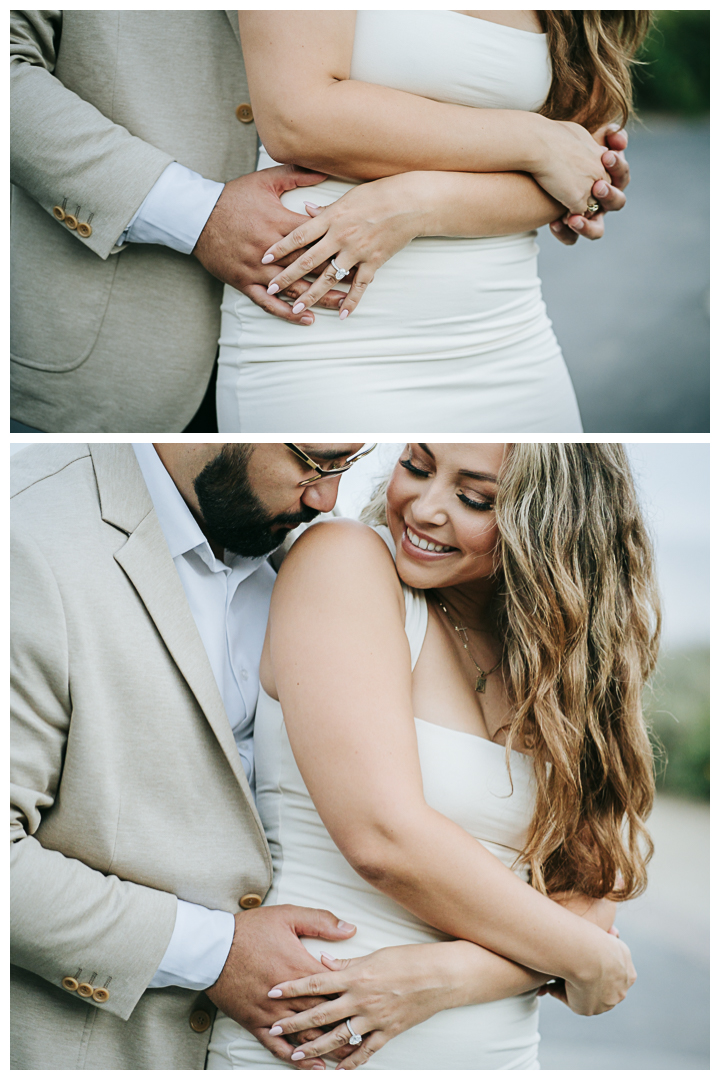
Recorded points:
(665, 1021)
(632, 311)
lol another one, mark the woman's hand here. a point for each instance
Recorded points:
(568, 163)
(363, 229)
(382, 994)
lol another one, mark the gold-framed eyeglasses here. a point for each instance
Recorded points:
(321, 473)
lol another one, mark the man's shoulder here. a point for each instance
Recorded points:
(34, 464)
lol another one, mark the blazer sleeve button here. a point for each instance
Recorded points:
(59, 213)
(71, 221)
(85, 990)
(101, 995)
(84, 229)
(70, 984)
(250, 900)
(199, 1020)
(244, 113)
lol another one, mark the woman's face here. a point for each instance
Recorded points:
(441, 512)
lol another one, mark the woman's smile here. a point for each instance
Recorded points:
(420, 546)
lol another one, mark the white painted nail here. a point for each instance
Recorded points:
(272, 289)
(276, 1030)
(298, 307)
(267, 259)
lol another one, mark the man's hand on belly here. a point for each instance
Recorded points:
(247, 219)
(266, 950)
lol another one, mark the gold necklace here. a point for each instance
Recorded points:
(462, 631)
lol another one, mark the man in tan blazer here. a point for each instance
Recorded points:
(110, 109)
(130, 801)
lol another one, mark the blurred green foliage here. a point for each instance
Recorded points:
(675, 76)
(677, 707)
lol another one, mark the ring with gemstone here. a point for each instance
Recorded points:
(355, 1039)
(339, 272)
(592, 207)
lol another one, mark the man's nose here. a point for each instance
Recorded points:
(322, 496)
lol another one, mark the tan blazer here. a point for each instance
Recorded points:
(108, 339)
(127, 787)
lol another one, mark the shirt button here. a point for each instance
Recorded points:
(200, 1020)
(84, 229)
(59, 213)
(85, 990)
(250, 900)
(244, 674)
(101, 995)
(244, 113)
(70, 984)
(71, 221)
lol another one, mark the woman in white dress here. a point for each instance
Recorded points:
(493, 696)
(453, 334)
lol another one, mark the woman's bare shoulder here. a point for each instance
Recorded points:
(341, 551)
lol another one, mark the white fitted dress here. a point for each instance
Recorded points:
(452, 336)
(464, 778)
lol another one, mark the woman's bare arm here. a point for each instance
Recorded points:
(309, 112)
(352, 731)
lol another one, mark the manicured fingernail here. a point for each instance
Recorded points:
(555, 226)
(298, 307)
(267, 258)
(312, 205)
(601, 189)
(344, 313)
(346, 926)
(275, 993)
(610, 160)
(297, 1056)
(307, 321)
(276, 1030)
(272, 289)
(328, 957)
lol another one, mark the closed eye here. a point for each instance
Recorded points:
(475, 505)
(413, 468)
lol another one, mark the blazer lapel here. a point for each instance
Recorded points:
(146, 560)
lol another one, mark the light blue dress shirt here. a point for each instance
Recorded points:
(229, 600)
(174, 211)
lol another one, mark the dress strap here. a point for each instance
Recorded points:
(416, 612)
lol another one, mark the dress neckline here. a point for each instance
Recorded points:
(502, 26)
(470, 735)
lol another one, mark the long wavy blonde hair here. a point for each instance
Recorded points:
(592, 55)
(579, 617)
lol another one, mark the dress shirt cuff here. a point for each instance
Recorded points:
(198, 948)
(174, 211)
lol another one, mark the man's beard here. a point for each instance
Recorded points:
(233, 514)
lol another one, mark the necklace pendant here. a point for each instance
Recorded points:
(480, 684)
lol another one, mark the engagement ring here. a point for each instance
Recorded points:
(592, 207)
(355, 1039)
(339, 272)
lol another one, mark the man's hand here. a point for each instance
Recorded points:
(265, 951)
(610, 196)
(247, 219)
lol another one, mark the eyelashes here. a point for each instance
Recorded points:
(407, 464)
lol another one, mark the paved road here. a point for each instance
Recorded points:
(631, 312)
(665, 1021)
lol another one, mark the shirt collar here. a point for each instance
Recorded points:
(181, 530)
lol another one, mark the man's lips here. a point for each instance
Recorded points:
(411, 544)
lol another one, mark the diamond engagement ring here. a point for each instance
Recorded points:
(339, 272)
(355, 1039)
(592, 207)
